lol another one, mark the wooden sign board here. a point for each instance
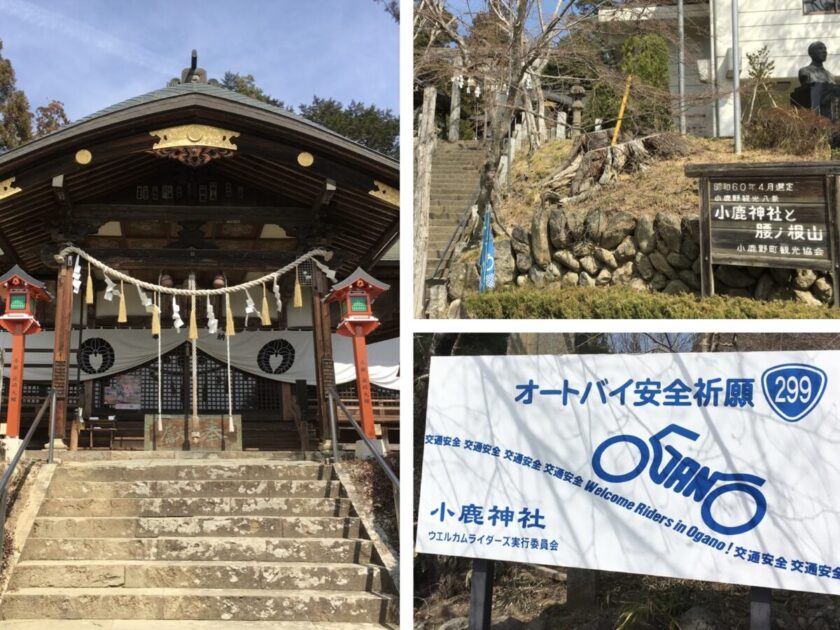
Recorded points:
(768, 215)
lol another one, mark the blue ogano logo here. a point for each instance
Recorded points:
(793, 389)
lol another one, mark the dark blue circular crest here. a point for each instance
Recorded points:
(96, 356)
(276, 356)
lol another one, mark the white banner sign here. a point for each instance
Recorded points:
(278, 355)
(720, 467)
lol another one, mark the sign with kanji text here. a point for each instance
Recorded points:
(756, 218)
(706, 466)
(780, 215)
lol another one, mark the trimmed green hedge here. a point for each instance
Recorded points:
(620, 302)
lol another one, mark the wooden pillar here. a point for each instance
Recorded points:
(455, 111)
(363, 384)
(15, 386)
(322, 335)
(424, 149)
(61, 347)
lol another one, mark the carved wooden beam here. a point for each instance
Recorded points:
(207, 213)
(325, 196)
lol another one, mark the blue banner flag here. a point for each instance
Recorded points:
(488, 266)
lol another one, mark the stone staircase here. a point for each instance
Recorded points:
(455, 171)
(216, 541)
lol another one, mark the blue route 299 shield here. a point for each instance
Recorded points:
(793, 389)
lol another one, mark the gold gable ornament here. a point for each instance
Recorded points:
(194, 145)
(386, 193)
(7, 189)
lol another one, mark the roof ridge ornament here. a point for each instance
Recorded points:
(193, 74)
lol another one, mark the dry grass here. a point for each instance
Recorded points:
(524, 194)
(663, 186)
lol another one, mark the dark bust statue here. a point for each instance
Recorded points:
(818, 87)
(815, 72)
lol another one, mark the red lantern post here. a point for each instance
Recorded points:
(356, 294)
(20, 291)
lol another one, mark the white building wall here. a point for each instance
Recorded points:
(697, 47)
(784, 28)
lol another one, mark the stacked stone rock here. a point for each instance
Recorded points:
(593, 248)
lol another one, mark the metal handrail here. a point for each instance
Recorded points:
(456, 234)
(10, 470)
(392, 477)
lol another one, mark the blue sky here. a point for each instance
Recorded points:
(93, 53)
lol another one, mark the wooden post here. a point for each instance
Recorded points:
(759, 608)
(322, 335)
(360, 356)
(707, 278)
(286, 402)
(617, 131)
(561, 125)
(455, 110)
(834, 235)
(61, 345)
(15, 386)
(481, 594)
(424, 148)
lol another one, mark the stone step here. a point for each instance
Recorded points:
(163, 603)
(341, 550)
(213, 470)
(241, 575)
(196, 526)
(476, 160)
(86, 455)
(196, 506)
(453, 197)
(180, 624)
(64, 488)
(452, 191)
(437, 232)
(455, 176)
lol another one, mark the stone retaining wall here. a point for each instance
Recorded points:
(603, 247)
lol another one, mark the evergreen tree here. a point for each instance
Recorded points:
(368, 125)
(375, 128)
(15, 117)
(392, 8)
(50, 117)
(246, 84)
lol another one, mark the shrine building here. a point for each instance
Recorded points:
(196, 186)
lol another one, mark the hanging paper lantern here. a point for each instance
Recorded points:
(89, 288)
(297, 298)
(265, 315)
(122, 317)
